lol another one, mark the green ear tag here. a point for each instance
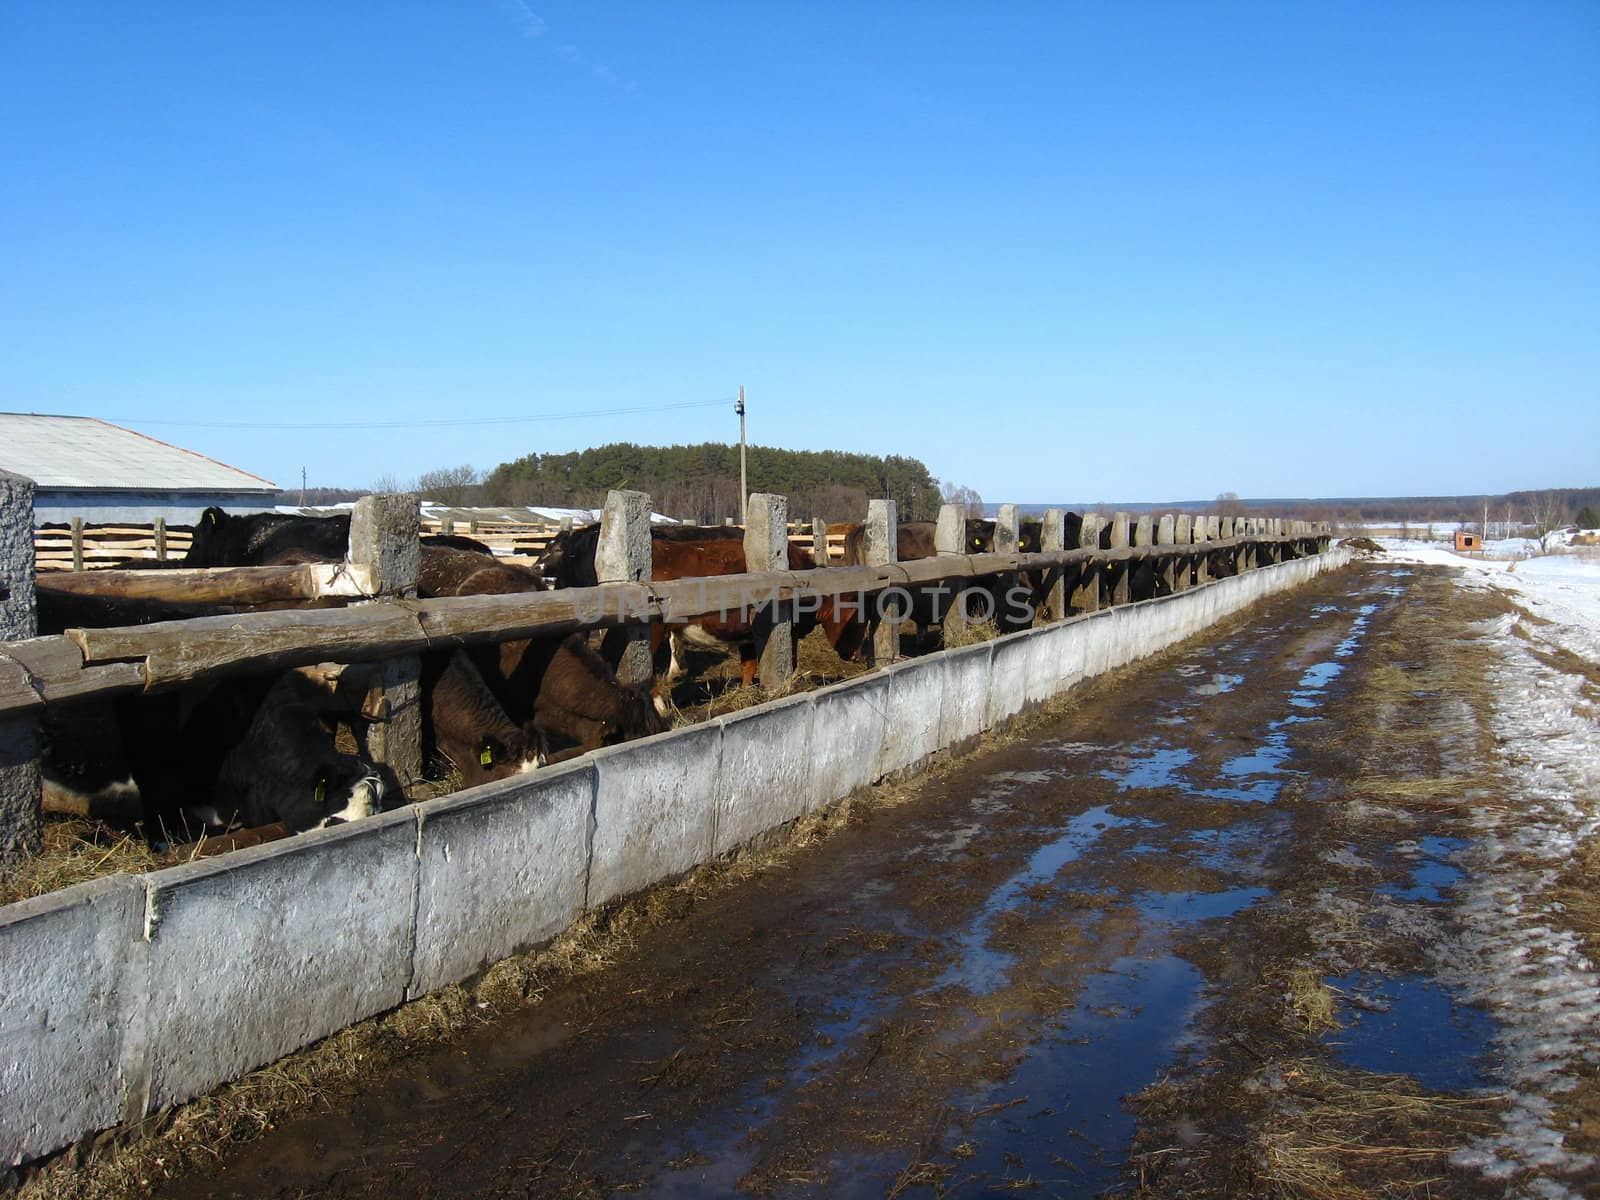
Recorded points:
(486, 757)
(321, 793)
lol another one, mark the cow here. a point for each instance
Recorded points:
(563, 689)
(930, 603)
(695, 552)
(287, 768)
(558, 687)
(464, 723)
(223, 539)
(449, 570)
(257, 750)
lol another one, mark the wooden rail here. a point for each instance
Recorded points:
(219, 585)
(170, 654)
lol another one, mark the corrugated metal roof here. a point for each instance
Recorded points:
(85, 452)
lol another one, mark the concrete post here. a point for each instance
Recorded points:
(623, 555)
(1053, 537)
(950, 538)
(1119, 535)
(1007, 540)
(1141, 533)
(1007, 529)
(1201, 531)
(882, 541)
(384, 532)
(766, 548)
(1166, 534)
(819, 542)
(1183, 535)
(1086, 592)
(21, 819)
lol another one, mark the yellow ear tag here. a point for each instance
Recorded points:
(321, 793)
(486, 757)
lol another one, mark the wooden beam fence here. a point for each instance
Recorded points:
(81, 546)
(164, 655)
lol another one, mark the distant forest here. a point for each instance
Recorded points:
(701, 483)
(1546, 509)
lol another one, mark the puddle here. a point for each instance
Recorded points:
(1320, 675)
(1242, 847)
(1266, 759)
(1064, 1127)
(1432, 874)
(980, 968)
(1217, 685)
(1411, 1025)
(1174, 907)
(1158, 769)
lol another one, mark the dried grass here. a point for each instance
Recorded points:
(969, 633)
(1311, 1001)
(75, 851)
(1415, 791)
(1346, 1135)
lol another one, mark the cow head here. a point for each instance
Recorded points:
(207, 539)
(507, 751)
(344, 788)
(568, 558)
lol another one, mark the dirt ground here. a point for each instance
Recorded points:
(1195, 930)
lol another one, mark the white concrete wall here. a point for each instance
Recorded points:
(130, 994)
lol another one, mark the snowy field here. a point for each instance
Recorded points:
(1561, 587)
(1517, 957)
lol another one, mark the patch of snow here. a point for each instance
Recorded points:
(1514, 958)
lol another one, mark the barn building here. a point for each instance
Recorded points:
(85, 467)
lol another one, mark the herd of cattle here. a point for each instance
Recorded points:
(289, 749)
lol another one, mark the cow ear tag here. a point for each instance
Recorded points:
(321, 793)
(486, 757)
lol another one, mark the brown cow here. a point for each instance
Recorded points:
(696, 552)
(464, 723)
(555, 686)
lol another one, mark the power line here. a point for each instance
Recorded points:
(429, 424)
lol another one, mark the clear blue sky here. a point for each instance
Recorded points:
(1110, 251)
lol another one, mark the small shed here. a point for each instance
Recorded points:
(89, 468)
(1468, 541)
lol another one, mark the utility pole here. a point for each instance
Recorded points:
(302, 487)
(744, 488)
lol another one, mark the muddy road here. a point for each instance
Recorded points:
(1171, 938)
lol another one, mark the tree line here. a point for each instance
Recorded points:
(700, 483)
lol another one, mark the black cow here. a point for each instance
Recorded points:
(224, 539)
(287, 768)
(254, 539)
(256, 751)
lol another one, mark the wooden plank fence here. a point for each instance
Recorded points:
(85, 547)
(81, 546)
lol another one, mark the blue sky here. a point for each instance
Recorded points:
(1058, 251)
